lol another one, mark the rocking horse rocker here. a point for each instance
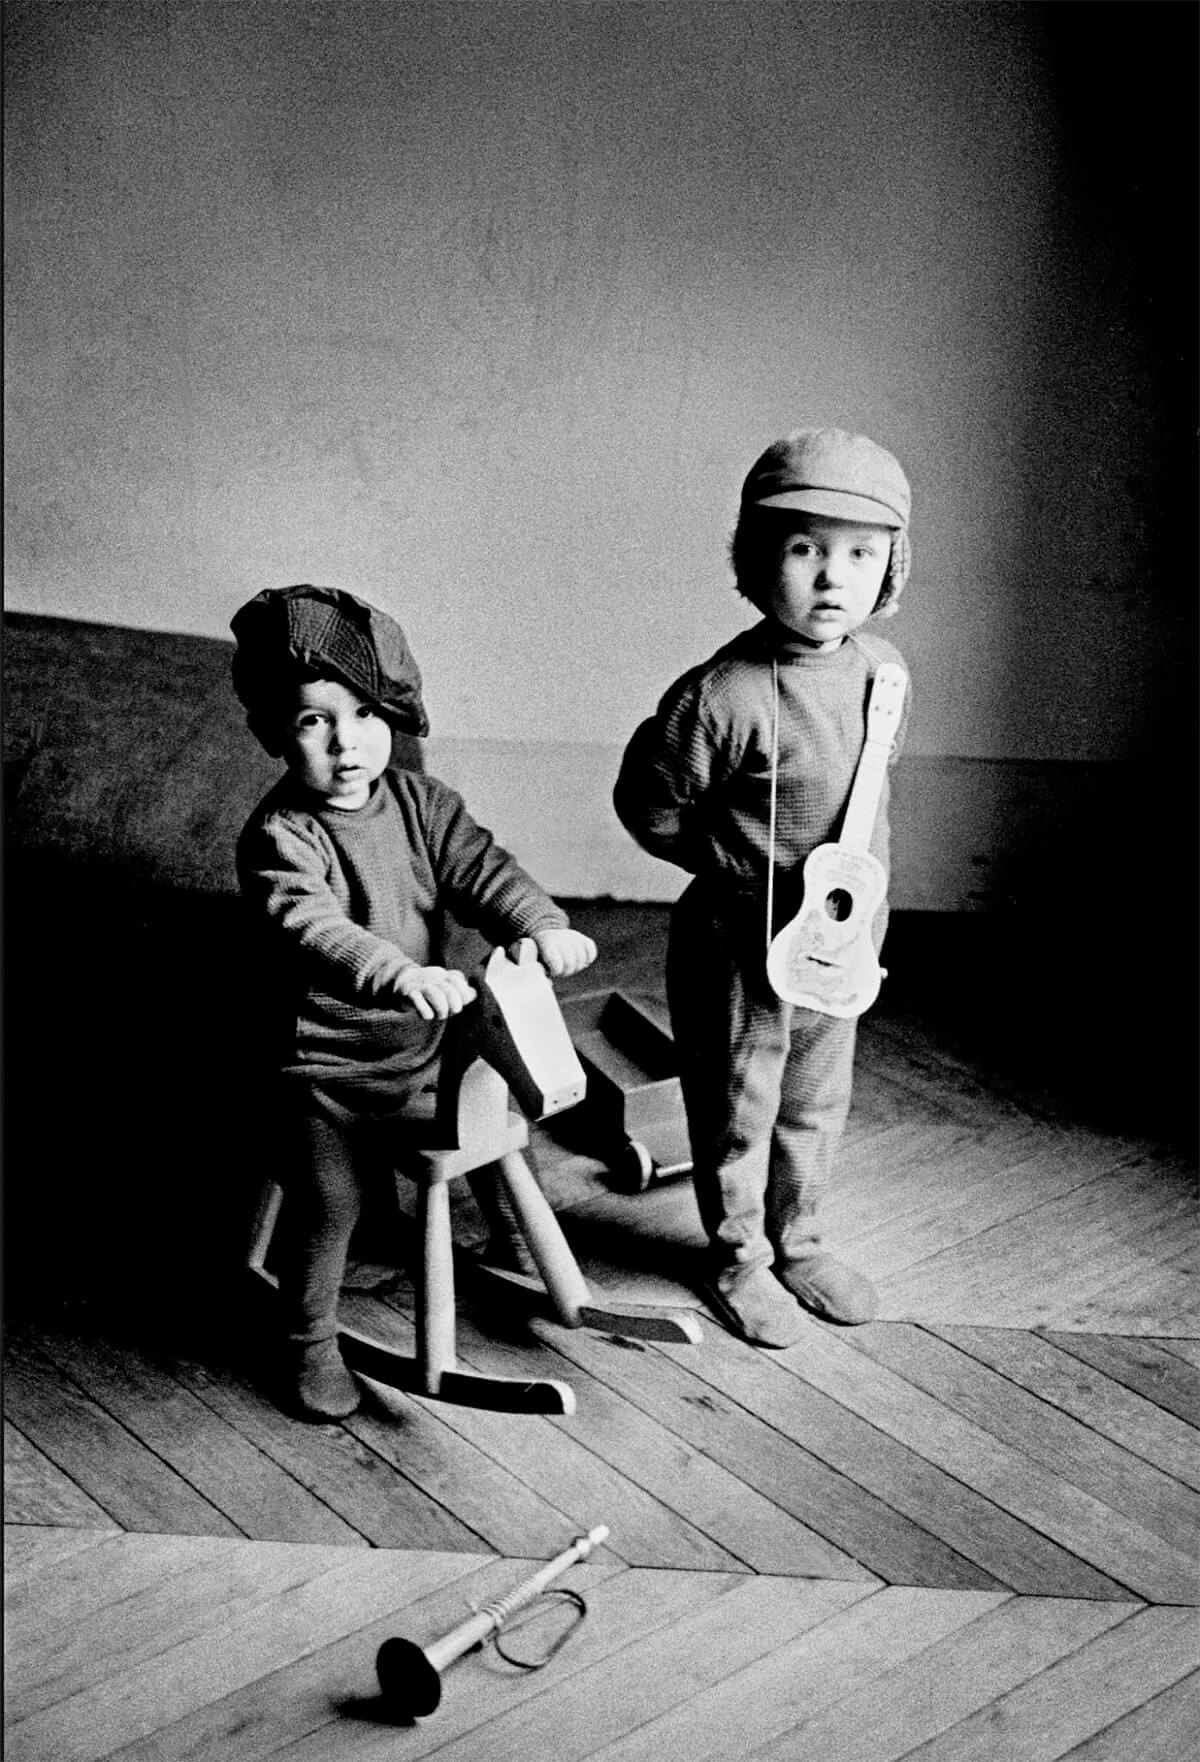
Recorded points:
(511, 1043)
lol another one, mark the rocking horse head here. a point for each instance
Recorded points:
(520, 1032)
(516, 1027)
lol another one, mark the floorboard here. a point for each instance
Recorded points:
(867, 1688)
(876, 1503)
(968, 1530)
(697, 1509)
(241, 1650)
(211, 1455)
(109, 1463)
(1101, 1403)
(555, 1456)
(1091, 1531)
(1057, 1443)
(37, 1491)
(1143, 1366)
(756, 1619)
(1162, 1729)
(1089, 1689)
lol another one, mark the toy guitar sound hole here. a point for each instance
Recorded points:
(838, 904)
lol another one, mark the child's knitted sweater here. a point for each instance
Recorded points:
(695, 782)
(352, 899)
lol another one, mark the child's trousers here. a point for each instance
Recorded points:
(766, 1086)
(326, 1161)
(330, 1157)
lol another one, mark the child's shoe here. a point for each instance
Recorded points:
(755, 1306)
(834, 1292)
(323, 1388)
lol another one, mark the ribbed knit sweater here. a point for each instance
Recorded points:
(349, 899)
(695, 781)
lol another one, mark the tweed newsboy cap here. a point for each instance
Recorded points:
(335, 634)
(829, 471)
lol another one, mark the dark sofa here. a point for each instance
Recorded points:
(132, 1144)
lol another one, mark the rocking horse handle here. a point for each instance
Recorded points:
(516, 1026)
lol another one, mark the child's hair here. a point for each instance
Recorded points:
(290, 636)
(755, 544)
(821, 471)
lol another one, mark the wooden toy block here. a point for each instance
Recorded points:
(633, 1112)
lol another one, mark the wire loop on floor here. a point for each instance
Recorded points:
(557, 1645)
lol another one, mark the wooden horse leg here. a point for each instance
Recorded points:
(559, 1269)
(435, 1310)
(566, 1285)
(265, 1219)
(432, 1372)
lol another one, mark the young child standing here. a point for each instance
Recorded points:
(821, 547)
(349, 866)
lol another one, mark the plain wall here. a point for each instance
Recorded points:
(482, 311)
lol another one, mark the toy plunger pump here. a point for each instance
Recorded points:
(410, 1677)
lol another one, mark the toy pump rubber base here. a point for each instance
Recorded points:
(408, 1682)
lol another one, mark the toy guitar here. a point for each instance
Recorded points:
(824, 958)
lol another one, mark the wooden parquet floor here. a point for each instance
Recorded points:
(969, 1530)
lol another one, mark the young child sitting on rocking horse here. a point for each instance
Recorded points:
(350, 864)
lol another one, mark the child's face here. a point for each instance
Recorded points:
(336, 743)
(825, 578)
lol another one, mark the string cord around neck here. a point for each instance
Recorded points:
(774, 798)
(873, 662)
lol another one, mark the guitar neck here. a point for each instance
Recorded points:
(863, 805)
(883, 717)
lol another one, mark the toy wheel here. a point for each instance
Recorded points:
(633, 1170)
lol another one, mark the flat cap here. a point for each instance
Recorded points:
(829, 471)
(335, 634)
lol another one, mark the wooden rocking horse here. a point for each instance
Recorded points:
(512, 1042)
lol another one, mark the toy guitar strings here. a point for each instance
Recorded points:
(824, 958)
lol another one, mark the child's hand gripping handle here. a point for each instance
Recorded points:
(435, 992)
(562, 951)
(522, 1033)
